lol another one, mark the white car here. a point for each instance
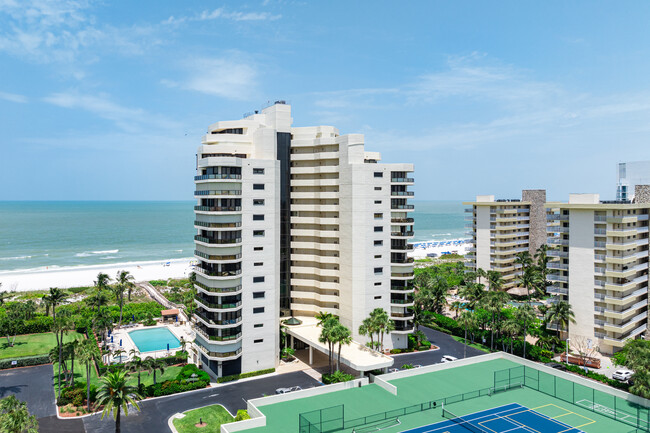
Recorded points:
(622, 375)
(448, 358)
(286, 390)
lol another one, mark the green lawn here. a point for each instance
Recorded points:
(214, 416)
(34, 344)
(474, 345)
(145, 377)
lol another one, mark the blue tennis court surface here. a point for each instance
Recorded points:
(513, 418)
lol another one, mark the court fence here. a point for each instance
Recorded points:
(596, 401)
(332, 419)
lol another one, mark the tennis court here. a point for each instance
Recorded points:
(508, 418)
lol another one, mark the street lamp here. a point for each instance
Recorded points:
(566, 352)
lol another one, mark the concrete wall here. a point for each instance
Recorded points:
(483, 238)
(581, 273)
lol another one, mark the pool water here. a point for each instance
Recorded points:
(149, 340)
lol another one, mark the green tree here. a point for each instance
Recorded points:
(136, 365)
(457, 307)
(88, 352)
(152, 365)
(525, 316)
(472, 293)
(53, 298)
(511, 328)
(322, 317)
(327, 337)
(126, 280)
(118, 291)
(15, 418)
(115, 395)
(530, 279)
(494, 302)
(524, 259)
(102, 281)
(495, 281)
(480, 273)
(638, 359)
(383, 323)
(367, 328)
(562, 314)
(341, 335)
(467, 321)
(541, 255)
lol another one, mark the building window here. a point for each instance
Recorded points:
(379, 216)
(378, 270)
(258, 171)
(377, 188)
(258, 248)
(258, 341)
(377, 201)
(258, 263)
(258, 217)
(258, 325)
(379, 229)
(377, 297)
(379, 174)
(258, 186)
(379, 243)
(258, 233)
(378, 256)
(258, 310)
(257, 295)
(378, 283)
(258, 202)
(258, 279)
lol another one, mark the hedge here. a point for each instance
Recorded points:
(599, 377)
(244, 375)
(37, 325)
(336, 378)
(169, 387)
(179, 358)
(25, 361)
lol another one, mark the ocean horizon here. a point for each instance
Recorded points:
(38, 235)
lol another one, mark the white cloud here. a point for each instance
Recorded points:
(13, 97)
(231, 79)
(221, 13)
(128, 119)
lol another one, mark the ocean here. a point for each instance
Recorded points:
(39, 235)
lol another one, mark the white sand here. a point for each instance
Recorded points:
(461, 249)
(76, 276)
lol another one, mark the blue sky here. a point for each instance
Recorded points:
(108, 100)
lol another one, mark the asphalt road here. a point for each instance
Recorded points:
(155, 413)
(447, 345)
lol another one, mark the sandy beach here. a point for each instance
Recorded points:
(76, 276)
(423, 248)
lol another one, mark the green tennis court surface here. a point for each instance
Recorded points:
(463, 390)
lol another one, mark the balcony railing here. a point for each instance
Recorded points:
(401, 301)
(218, 192)
(402, 179)
(402, 206)
(232, 273)
(218, 289)
(401, 274)
(217, 176)
(216, 257)
(217, 225)
(401, 288)
(219, 354)
(217, 337)
(402, 247)
(211, 321)
(402, 193)
(218, 208)
(402, 233)
(402, 260)
(402, 220)
(220, 306)
(216, 241)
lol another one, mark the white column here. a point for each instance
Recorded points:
(311, 355)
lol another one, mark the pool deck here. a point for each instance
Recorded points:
(180, 331)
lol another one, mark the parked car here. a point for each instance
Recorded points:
(556, 365)
(393, 370)
(623, 374)
(448, 358)
(286, 390)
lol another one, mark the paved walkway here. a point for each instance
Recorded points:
(156, 296)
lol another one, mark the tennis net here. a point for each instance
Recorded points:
(461, 421)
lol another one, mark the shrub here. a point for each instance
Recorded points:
(244, 375)
(337, 377)
(188, 370)
(25, 361)
(599, 377)
(395, 351)
(158, 283)
(169, 387)
(242, 414)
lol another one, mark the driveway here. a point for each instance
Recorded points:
(155, 413)
(34, 386)
(447, 345)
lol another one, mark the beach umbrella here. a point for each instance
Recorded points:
(167, 346)
(111, 338)
(176, 318)
(133, 317)
(120, 342)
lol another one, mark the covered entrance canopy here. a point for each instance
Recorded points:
(355, 355)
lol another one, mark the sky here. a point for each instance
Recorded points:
(108, 100)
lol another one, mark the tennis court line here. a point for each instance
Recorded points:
(516, 406)
(568, 412)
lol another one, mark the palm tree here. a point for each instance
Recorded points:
(102, 322)
(511, 328)
(341, 335)
(541, 255)
(5, 295)
(54, 298)
(152, 365)
(530, 278)
(472, 293)
(102, 281)
(562, 314)
(125, 279)
(97, 300)
(327, 337)
(322, 317)
(481, 273)
(457, 307)
(72, 349)
(115, 395)
(494, 302)
(383, 323)
(367, 328)
(118, 291)
(15, 417)
(466, 320)
(137, 364)
(87, 353)
(524, 259)
(525, 315)
(495, 280)
(431, 293)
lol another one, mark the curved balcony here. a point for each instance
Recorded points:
(217, 192)
(401, 261)
(209, 225)
(235, 273)
(217, 208)
(402, 289)
(227, 258)
(402, 302)
(405, 247)
(208, 289)
(218, 339)
(402, 180)
(215, 308)
(217, 177)
(221, 356)
(402, 220)
(405, 234)
(401, 316)
(213, 241)
(402, 193)
(402, 275)
(211, 323)
(406, 207)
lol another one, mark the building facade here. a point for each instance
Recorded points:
(630, 174)
(294, 221)
(503, 228)
(600, 266)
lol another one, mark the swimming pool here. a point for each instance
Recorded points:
(149, 340)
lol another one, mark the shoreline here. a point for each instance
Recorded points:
(24, 280)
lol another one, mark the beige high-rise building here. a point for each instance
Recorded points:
(600, 266)
(503, 228)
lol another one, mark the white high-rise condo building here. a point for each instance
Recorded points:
(600, 266)
(630, 174)
(294, 221)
